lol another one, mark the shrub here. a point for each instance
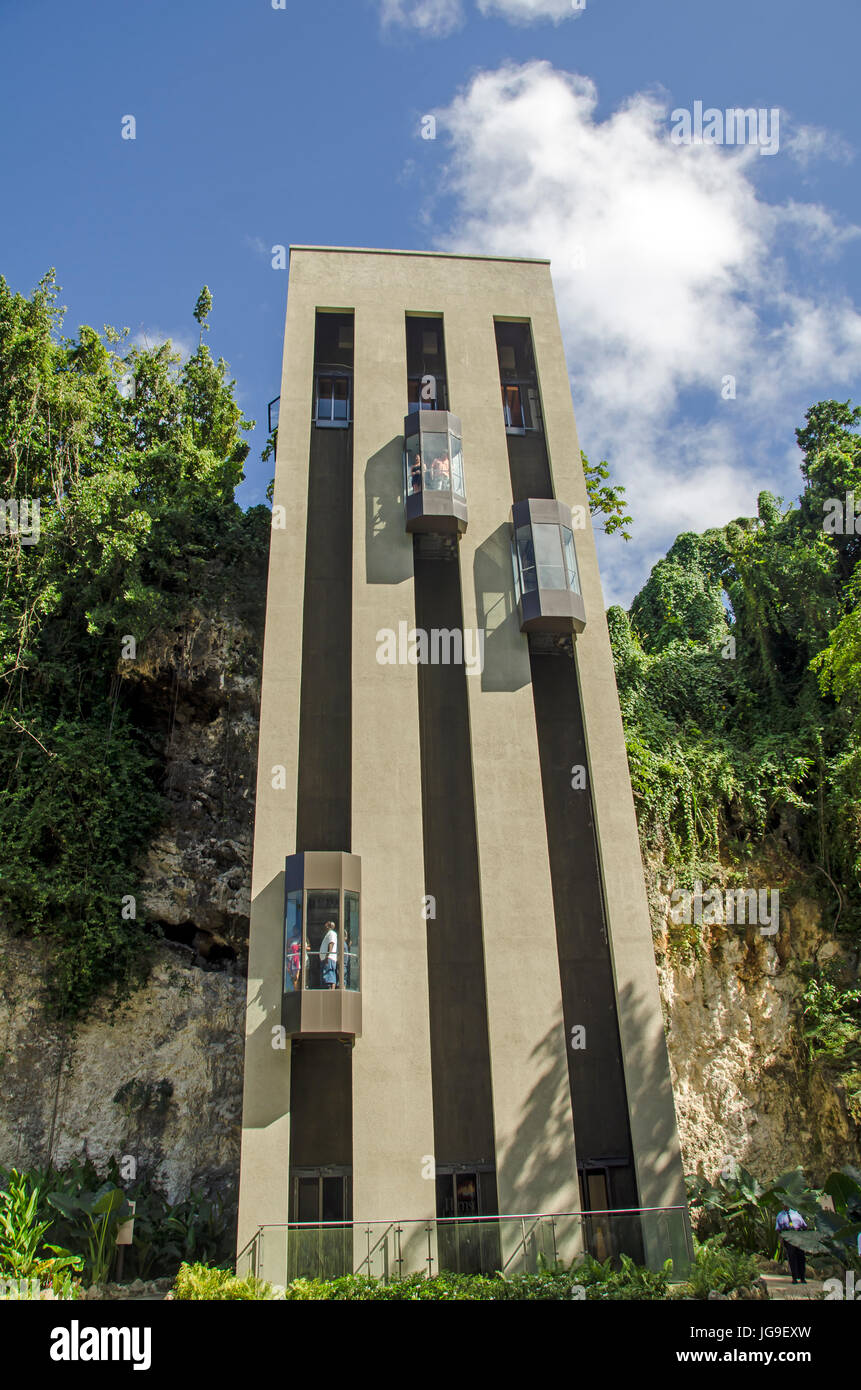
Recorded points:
(24, 1252)
(719, 1268)
(199, 1282)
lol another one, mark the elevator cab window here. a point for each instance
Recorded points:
(324, 942)
(331, 945)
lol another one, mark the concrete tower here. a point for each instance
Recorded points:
(452, 1000)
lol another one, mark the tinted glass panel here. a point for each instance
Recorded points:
(308, 1199)
(457, 485)
(333, 1199)
(548, 553)
(413, 465)
(324, 398)
(513, 407)
(293, 942)
(341, 394)
(437, 463)
(526, 554)
(571, 560)
(516, 571)
(467, 1194)
(321, 941)
(444, 1195)
(351, 941)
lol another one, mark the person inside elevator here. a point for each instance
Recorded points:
(294, 961)
(329, 956)
(416, 473)
(438, 473)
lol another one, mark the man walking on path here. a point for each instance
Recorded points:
(788, 1219)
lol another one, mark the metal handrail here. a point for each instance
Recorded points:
(504, 1216)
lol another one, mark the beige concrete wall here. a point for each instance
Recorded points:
(264, 1173)
(535, 1154)
(392, 1101)
(647, 1076)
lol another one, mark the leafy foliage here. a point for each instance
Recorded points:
(24, 1252)
(198, 1282)
(133, 458)
(715, 1268)
(606, 499)
(719, 1268)
(97, 1216)
(738, 669)
(81, 1209)
(744, 1210)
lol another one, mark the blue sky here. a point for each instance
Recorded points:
(675, 266)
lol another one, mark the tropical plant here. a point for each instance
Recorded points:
(197, 1282)
(98, 1216)
(835, 1231)
(745, 1210)
(24, 1252)
(718, 1268)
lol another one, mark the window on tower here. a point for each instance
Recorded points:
(521, 404)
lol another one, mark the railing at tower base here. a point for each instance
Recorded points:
(510, 1245)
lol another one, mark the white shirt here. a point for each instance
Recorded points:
(329, 945)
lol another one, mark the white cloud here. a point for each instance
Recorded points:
(810, 142)
(684, 281)
(438, 18)
(433, 18)
(258, 246)
(531, 11)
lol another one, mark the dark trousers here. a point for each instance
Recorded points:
(797, 1260)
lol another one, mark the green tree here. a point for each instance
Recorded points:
(134, 457)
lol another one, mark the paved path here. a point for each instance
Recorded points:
(781, 1287)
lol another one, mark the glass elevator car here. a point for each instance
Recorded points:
(322, 954)
(434, 490)
(546, 580)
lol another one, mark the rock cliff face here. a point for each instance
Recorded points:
(162, 1081)
(199, 691)
(743, 1085)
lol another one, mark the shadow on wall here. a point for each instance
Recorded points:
(506, 652)
(651, 1090)
(388, 547)
(538, 1160)
(265, 1104)
(538, 1171)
